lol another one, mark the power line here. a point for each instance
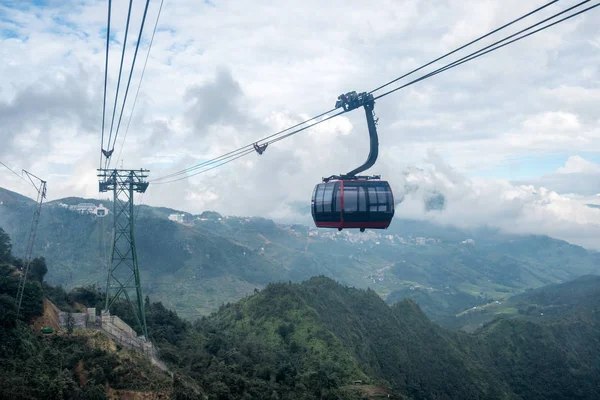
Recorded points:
(490, 48)
(234, 155)
(41, 195)
(119, 80)
(137, 46)
(464, 46)
(105, 80)
(24, 180)
(245, 153)
(141, 78)
(137, 213)
(306, 127)
(483, 51)
(236, 152)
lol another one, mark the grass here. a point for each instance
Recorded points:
(507, 311)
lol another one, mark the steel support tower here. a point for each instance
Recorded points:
(123, 269)
(29, 251)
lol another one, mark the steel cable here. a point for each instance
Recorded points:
(119, 80)
(233, 155)
(105, 80)
(141, 78)
(137, 47)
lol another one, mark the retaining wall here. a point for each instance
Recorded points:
(116, 329)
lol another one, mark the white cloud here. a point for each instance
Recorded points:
(498, 203)
(222, 76)
(578, 177)
(552, 121)
(577, 164)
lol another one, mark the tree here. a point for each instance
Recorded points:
(7, 311)
(70, 322)
(38, 269)
(5, 248)
(62, 386)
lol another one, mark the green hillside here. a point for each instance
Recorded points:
(566, 300)
(62, 365)
(438, 304)
(195, 267)
(312, 340)
(8, 197)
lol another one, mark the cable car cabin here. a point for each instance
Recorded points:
(353, 204)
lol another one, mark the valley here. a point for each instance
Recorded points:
(308, 335)
(159, 239)
(196, 266)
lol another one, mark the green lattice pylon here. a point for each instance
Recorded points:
(123, 269)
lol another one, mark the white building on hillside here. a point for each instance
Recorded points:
(90, 208)
(177, 218)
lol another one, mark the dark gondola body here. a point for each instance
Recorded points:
(350, 200)
(363, 204)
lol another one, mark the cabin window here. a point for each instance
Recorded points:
(372, 198)
(380, 199)
(328, 197)
(362, 199)
(350, 199)
(319, 198)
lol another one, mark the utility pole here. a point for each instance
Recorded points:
(41, 189)
(123, 270)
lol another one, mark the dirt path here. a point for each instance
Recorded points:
(49, 319)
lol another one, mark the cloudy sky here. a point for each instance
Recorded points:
(510, 140)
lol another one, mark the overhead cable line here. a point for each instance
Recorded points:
(19, 176)
(237, 153)
(464, 46)
(476, 54)
(137, 47)
(141, 78)
(303, 128)
(490, 48)
(240, 155)
(105, 79)
(139, 206)
(119, 80)
(450, 65)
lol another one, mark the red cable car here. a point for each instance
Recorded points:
(352, 201)
(353, 204)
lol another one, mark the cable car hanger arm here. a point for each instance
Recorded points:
(349, 102)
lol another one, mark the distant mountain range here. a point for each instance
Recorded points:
(8, 197)
(196, 266)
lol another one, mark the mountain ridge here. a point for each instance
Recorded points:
(345, 334)
(317, 339)
(210, 259)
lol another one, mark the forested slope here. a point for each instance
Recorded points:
(304, 341)
(311, 340)
(62, 364)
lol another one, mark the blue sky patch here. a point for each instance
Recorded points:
(8, 34)
(530, 167)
